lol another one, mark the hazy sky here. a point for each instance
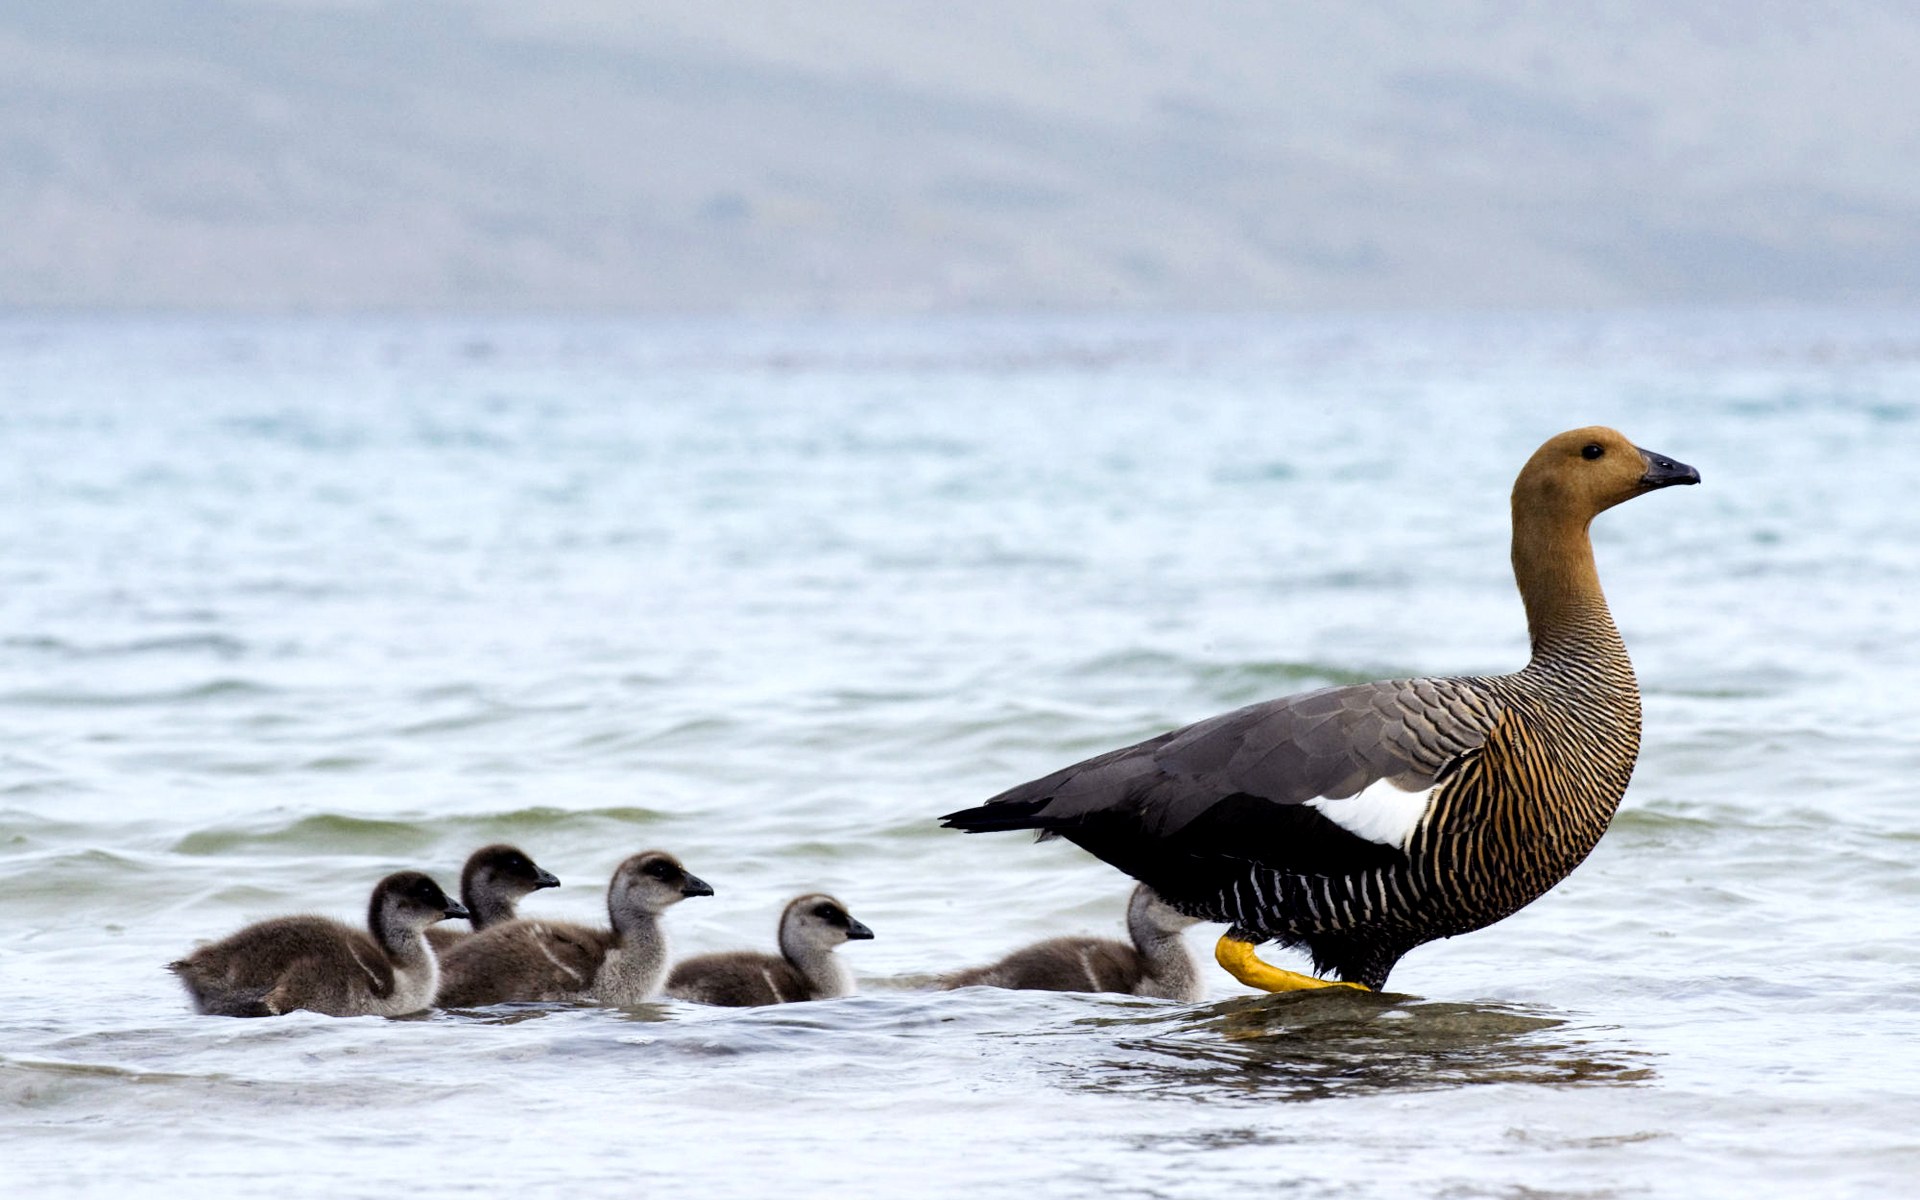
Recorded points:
(892, 155)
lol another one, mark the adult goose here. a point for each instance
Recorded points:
(1153, 962)
(491, 886)
(557, 960)
(1359, 822)
(287, 963)
(811, 928)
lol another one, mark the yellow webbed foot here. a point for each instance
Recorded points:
(1238, 958)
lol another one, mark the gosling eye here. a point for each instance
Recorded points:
(661, 870)
(1592, 450)
(829, 914)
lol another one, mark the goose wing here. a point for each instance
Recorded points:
(1328, 782)
(521, 960)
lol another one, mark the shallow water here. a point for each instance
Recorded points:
(289, 604)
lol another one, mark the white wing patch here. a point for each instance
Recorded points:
(566, 970)
(373, 980)
(1380, 812)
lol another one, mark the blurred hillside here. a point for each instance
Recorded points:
(867, 155)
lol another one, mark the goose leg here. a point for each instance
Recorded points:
(1237, 956)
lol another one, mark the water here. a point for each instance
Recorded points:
(287, 605)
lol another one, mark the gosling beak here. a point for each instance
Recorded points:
(545, 879)
(457, 910)
(693, 885)
(1664, 472)
(856, 932)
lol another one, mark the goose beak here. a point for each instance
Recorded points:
(546, 879)
(457, 910)
(1664, 472)
(696, 886)
(856, 932)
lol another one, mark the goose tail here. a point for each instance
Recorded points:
(1000, 816)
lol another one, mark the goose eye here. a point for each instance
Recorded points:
(1592, 450)
(660, 870)
(828, 914)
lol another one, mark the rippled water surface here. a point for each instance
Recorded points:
(289, 605)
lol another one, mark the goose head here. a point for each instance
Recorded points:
(410, 900)
(1581, 473)
(815, 923)
(501, 875)
(648, 884)
(1150, 916)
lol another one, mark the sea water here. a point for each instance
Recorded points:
(286, 605)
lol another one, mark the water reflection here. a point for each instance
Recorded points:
(1321, 1045)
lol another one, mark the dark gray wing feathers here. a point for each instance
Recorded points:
(1331, 743)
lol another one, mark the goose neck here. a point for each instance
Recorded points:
(632, 973)
(487, 907)
(825, 974)
(1567, 615)
(403, 943)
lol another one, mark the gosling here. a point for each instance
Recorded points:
(324, 966)
(805, 969)
(492, 883)
(1157, 964)
(526, 960)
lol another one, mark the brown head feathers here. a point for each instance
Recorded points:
(1579, 474)
(1571, 479)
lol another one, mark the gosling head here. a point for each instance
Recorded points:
(817, 922)
(503, 871)
(410, 900)
(1583, 472)
(648, 884)
(1150, 916)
